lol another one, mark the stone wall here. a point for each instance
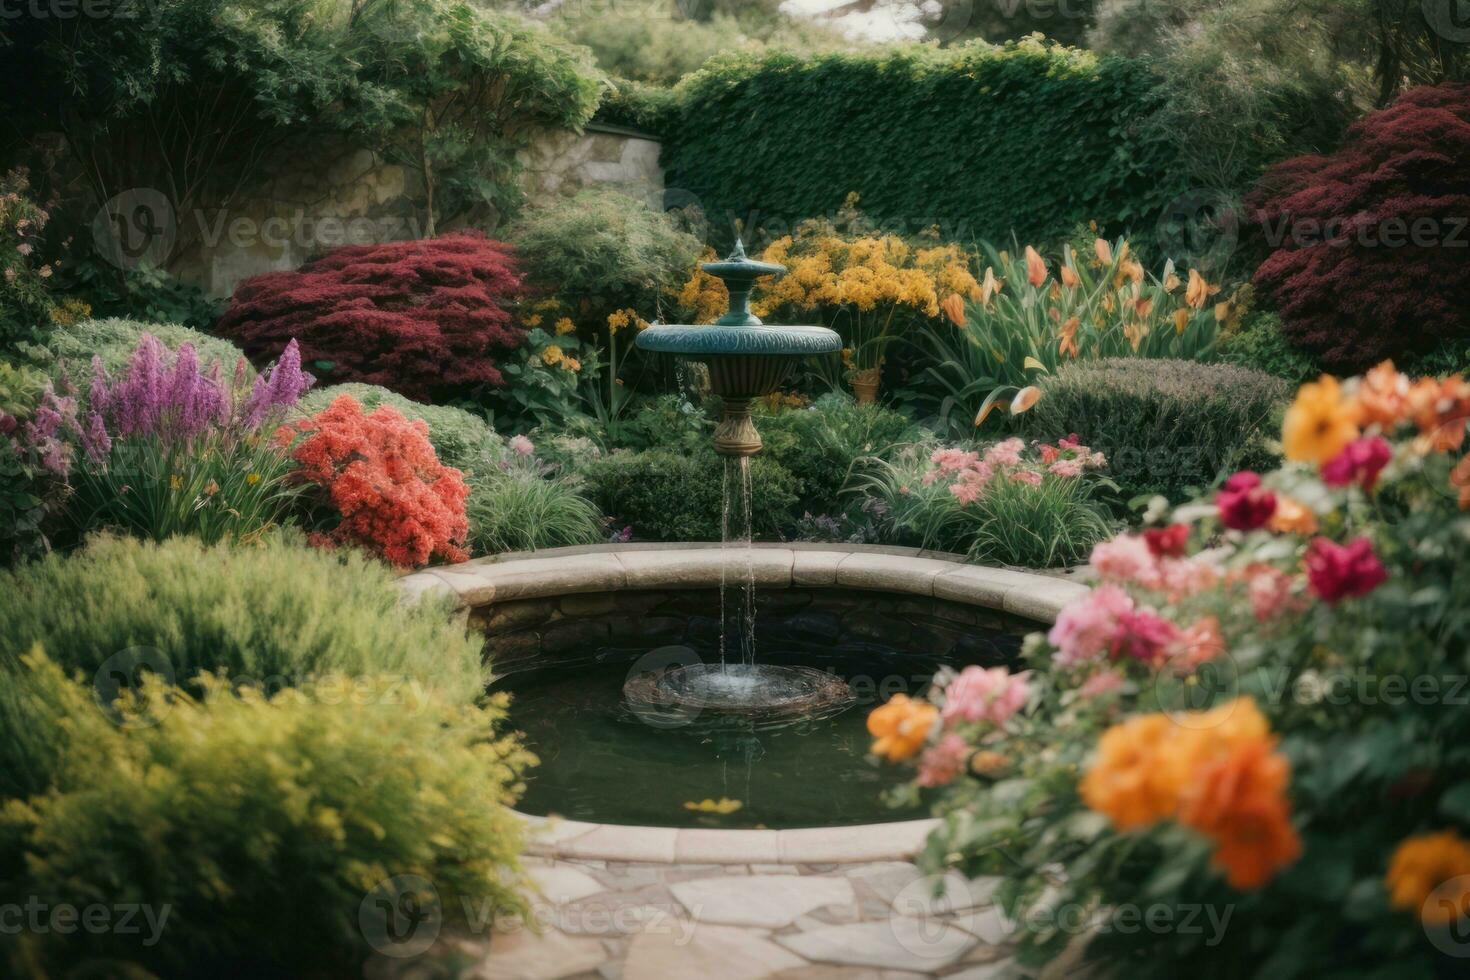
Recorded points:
(345, 196)
(523, 634)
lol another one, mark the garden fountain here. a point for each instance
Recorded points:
(746, 360)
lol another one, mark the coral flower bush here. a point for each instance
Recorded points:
(382, 486)
(1258, 705)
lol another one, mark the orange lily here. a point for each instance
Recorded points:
(1035, 267)
(954, 308)
(1069, 277)
(1103, 250)
(1067, 339)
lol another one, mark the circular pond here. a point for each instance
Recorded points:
(607, 760)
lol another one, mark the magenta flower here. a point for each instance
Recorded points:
(1359, 462)
(1085, 629)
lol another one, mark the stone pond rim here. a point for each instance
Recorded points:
(746, 358)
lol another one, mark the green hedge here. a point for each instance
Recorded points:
(1167, 426)
(981, 140)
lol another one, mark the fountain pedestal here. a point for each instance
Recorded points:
(746, 360)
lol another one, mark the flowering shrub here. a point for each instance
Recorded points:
(383, 487)
(1009, 504)
(25, 297)
(525, 504)
(1369, 242)
(1258, 707)
(869, 287)
(1028, 317)
(164, 446)
(423, 318)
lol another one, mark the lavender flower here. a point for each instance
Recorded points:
(176, 403)
(278, 387)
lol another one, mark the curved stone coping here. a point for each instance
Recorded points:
(601, 568)
(616, 568)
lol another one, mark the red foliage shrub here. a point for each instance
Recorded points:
(1372, 245)
(419, 317)
(381, 475)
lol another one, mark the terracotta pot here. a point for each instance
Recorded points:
(864, 386)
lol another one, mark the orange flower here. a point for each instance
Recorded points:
(1035, 267)
(1200, 643)
(1292, 517)
(1460, 479)
(1319, 423)
(1103, 250)
(1181, 320)
(1199, 291)
(1067, 339)
(1025, 399)
(1143, 306)
(1239, 801)
(1440, 410)
(1135, 781)
(954, 308)
(1383, 396)
(901, 727)
(988, 288)
(1420, 870)
(1069, 277)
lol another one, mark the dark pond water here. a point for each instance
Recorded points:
(604, 761)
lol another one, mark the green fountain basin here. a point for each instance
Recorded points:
(698, 343)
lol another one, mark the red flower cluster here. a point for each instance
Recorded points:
(1167, 542)
(381, 475)
(420, 317)
(1243, 503)
(1360, 462)
(1338, 572)
(1369, 259)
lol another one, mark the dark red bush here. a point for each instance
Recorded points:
(1372, 243)
(423, 318)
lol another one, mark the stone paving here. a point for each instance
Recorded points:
(605, 920)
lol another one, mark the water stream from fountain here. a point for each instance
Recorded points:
(737, 572)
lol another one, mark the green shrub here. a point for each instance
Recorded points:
(1165, 426)
(460, 439)
(602, 251)
(22, 495)
(144, 293)
(524, 511)
(225, 804)
(1259, 344)
(824, 445)
(114, 341)
(1023, 138)
(678, 495)
(646, 108)
(272, 612)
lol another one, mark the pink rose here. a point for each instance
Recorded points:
(981, 694)
(1126, 558)
(1085, 629)
(1359, 462)
(1338, 572)
(943, 761)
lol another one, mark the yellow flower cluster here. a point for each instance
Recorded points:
(868, 272)
(622, 319)
(554, 356)
(703, 297)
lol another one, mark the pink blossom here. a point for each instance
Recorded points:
(1068, 468)
(1270, 592)
(1126, 558)
(1097, 460)
(1085, 629)
(1200, 642)
(943, 761)
(953, 460)
(23, 248)
(981, 694)
(1103, 682)
(1050, 454)
(521, 446)
(1183, 577)
(1005, 453)
(1359, 462)
(1030, 477)
(1073, 442)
